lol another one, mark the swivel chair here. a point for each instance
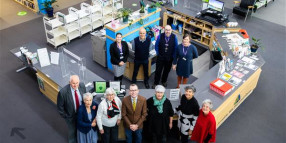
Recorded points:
(245, 7)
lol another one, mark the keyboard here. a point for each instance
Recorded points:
(211, 20)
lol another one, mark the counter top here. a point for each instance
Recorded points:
(196, 6)
(202, 84)
(54, 71)
(136, 16)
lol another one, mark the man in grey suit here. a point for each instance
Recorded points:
(69, 99)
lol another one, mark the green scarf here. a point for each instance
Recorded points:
(159, 103)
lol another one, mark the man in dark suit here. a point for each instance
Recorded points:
(166, 45)
(142, 46)
(134, 112)
(69, 99)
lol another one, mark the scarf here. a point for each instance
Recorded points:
(159, 103)
(112, 110)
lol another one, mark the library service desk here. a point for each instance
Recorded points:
(50, 77)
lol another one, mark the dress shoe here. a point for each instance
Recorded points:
(153, 86)
(147, 85)
(164, 84)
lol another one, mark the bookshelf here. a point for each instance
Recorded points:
(65, 27)
(30, 4)
(200, 31)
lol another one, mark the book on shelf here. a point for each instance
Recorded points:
(221, 87)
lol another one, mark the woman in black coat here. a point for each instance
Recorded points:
(188, 113)
(119, 53)
(160, 115)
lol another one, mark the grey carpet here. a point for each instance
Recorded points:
(261, 118)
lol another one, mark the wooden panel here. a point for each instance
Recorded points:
(49, 88)
(130, 68)
(226, 109)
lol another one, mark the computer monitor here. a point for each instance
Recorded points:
(216, 5)
(116, 85)
(100, 86)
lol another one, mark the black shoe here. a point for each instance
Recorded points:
(164, 84)
(147, 85)
(153, 86)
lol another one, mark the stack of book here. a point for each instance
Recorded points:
(221, 87)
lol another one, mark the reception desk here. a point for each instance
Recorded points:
(50, 79)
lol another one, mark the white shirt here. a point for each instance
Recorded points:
(101, 116)
(73, 97)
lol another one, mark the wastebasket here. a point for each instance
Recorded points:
(215, 57)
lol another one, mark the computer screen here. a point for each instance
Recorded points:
(216, 5)
(100, 86)
(115, 85)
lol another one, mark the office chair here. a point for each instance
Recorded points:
(245, 7)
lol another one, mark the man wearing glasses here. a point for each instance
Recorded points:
(134, 112)
(166, 45)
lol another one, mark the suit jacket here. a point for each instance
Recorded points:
(115, 53)
(65, 103)
(83, 122)
(134, 117)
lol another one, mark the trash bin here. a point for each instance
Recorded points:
(215, 57)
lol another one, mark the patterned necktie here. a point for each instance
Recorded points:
(76, 99)
(134, 104)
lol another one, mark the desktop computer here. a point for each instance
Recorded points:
(213, 13)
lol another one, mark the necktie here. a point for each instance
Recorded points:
(134, 104)
(76, 99)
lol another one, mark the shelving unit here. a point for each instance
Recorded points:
(199, 30)
(262, 3)
(78, 22)
(30, 4)
(109, 9)
(55, 32)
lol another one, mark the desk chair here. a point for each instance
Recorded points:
(245, 7)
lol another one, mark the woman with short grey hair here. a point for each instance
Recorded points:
(109, 91)
(109, 116)
(86, 122)
(188, 112)
(160, 115)
(205, 129)
(87, 95)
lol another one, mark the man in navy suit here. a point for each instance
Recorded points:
(69, 99)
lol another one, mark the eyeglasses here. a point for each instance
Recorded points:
(133, 90)
(110, 95)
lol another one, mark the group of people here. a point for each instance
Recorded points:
(169, 55)
(85, 118)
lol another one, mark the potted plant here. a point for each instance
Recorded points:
(124, 13)
(142, 7)
(153, 6)
(256, 45)
(142, 11)
(48, 6)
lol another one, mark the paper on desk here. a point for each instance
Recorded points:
(18, 54)
(43, 57)
(174, 94)
(55, 58)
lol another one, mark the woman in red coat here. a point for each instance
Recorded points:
(205, 128)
